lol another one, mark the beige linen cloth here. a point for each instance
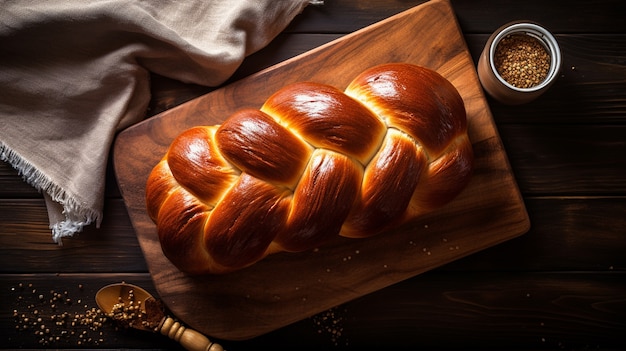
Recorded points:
(75, 72)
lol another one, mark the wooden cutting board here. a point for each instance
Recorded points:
(285, 288)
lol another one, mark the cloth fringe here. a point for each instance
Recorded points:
(76, 216)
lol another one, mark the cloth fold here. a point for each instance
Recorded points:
(74, 73)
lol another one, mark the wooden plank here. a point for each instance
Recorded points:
(12, 185)
(266, 296)
(468, 311)
(436, 310)
(567, 234)
(26, 244)
(528, 310)
(478, 16)
(567, 159)
(473, 16)
(24, 298)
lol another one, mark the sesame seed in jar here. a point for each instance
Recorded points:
(522, 60)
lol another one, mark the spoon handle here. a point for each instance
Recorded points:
(188, 338)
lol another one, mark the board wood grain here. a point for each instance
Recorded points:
(285, 288)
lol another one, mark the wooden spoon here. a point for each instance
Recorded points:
(126, 303)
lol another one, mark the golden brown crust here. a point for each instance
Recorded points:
(251, 139)
(245, 222)
(447, 176)
(160, 185)
(321, 202)
(416, 100)
(327, 118)
(312, 163)
(180, 219)
(197, 164)
(396, 169)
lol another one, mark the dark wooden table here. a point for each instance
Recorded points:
(560, 286)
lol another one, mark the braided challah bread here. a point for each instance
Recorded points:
(311, 164)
